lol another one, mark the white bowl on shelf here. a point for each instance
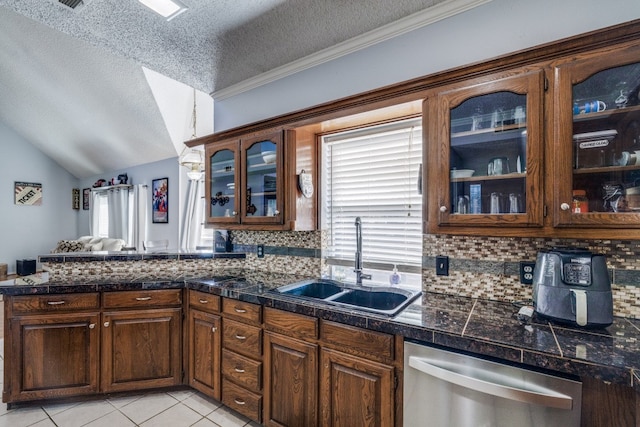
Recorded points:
(269, 156)
(462, 173)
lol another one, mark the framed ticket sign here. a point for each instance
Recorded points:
(28, 193)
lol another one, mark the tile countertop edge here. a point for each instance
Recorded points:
(239, 289)
(135, 256)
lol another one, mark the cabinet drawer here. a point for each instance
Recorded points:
(242, 370)
(361, 342)
(241, 338)
(57, 302)
(247, 312)
(291, 324)
(239, 399)
(145, 299)
(205, 302)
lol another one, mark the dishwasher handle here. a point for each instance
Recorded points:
(518, 393)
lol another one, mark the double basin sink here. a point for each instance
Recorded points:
(382, 300)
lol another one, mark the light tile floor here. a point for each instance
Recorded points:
(182, 408)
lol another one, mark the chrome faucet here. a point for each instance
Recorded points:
(358, 262)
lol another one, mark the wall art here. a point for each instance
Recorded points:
(28, 193)
(160, 200)
(86, 196)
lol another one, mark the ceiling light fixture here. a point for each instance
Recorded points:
(167, 8)
(192, 159)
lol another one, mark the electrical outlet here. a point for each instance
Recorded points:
(442, 265)
(260, 251)
(526, 272)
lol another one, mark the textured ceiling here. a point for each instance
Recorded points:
(217, 43)
(72, 82)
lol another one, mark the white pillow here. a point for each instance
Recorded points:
(112, 244)
(93, 246)
(85, 239)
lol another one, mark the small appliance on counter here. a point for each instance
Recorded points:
(572, 286)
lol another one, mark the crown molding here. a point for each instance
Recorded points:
(409, 23)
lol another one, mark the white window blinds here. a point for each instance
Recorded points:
(373, 173)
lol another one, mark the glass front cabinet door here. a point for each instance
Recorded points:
(485, 138)
(597, 140)
(221, 187)
(262, 180)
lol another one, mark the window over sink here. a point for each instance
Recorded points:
(374, 173)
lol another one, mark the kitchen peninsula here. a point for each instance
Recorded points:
(59, 330)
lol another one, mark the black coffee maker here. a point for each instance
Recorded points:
(572, 286)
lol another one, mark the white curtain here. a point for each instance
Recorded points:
(94, 217)
(138, 229)
(118, 202)
(193, 216)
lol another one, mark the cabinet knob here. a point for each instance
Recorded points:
(106, 324)
(92, 326)
(276, 212)
(214, 329)
(443, 209)
(565, 206)
(234, 213)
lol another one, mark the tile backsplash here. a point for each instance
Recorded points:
(479, 267)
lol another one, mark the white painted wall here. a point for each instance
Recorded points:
(144, 174)
(490, 30)
(29, 231)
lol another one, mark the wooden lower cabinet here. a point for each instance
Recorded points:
(52, 355)
(141, 349)
(204, 352)
(355, 391)
(291, 382)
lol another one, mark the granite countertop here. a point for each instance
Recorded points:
(487, 328)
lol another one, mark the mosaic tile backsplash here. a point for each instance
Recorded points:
(479, 267)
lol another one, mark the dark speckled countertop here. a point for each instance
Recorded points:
(486, 328)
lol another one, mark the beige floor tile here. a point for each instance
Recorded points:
(83, 413)
(113, 419)
(23, 417)
(56, 408)
(177, 416)
(225, 417)
(46, 423)
(124, 400)
(205, 422)
(201, 404)
(148, 407)
(181, 395)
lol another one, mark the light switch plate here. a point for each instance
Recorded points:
(442, 265)
(526, 272)
(260, 251)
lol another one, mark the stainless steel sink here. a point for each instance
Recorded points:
(387, 301)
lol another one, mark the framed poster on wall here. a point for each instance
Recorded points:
(86, 196)
(28, 193)
(160, 200)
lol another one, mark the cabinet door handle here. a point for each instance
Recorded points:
(565, 206)
(240, 310)
(204, 301)
(443, 209)
(239, 370)
(277, 212)
(106, 324)
(92, 325)
(55, 302)
(239, 401)
(234, 213)
(214, 329)
(143, 298)
(241, 337)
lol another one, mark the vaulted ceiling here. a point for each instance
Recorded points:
(108, 85)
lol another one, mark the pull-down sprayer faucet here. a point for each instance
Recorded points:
(358, 261)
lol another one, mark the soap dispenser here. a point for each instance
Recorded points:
(394, 277)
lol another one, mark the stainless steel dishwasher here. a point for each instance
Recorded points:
(447, 389)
